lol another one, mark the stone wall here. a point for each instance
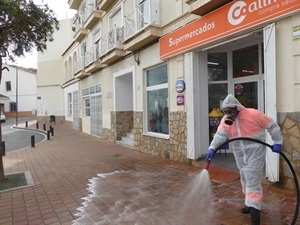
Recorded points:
(110, 134)
(124, 123)
(172, 148)
(46, 119)
(290, 127)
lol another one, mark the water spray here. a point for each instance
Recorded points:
(285, 158)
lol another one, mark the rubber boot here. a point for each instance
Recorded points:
(255, 216)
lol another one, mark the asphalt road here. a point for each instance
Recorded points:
(15, 138)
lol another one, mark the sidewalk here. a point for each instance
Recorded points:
(79, 179)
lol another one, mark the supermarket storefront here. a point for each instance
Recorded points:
(239, 49)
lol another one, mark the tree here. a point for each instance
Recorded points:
(23, 26)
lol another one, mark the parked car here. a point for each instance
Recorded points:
(3, 118)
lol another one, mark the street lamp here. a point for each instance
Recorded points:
(16, 95)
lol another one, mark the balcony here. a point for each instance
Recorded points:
(111, 47)
(202, 7)
(105, 5)
(92, 61)
(80, 32)
(142, 25)
(79, 71)
(74, 4)
(91, 15)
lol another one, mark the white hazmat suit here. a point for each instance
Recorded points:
(249, 155)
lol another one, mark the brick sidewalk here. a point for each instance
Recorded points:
(82, 180)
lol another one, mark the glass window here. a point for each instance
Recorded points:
(70, 104)
(217, 66)
(85, 91)
(87, 107)
(98, 88)
(13, 106)
(216, 94)
(247, 94)
(245, 61)
(8, 86)
(157, 100)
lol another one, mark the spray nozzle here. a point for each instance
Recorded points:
(207, 164)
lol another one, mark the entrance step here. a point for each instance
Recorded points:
(127, 141)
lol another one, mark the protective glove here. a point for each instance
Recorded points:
(210, 155)
(276, 148)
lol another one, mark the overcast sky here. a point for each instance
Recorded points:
(62, 11)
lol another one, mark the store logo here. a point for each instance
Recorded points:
(238, 11)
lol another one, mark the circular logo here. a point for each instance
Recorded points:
(237, 13)
(180, 86)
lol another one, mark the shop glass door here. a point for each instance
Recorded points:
(248, 93)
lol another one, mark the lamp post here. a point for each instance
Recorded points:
(16, 95)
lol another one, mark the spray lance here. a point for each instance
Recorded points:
(207, 164)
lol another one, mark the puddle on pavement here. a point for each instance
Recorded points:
(147, 197)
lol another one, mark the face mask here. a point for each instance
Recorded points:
(231, 114)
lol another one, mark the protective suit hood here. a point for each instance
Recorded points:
(231, 102)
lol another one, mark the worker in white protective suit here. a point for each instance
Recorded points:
(239, 121)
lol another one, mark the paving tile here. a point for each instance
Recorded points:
(80, 180)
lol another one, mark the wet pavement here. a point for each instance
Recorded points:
(79, 179)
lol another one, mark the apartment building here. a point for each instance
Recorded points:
(157, 69)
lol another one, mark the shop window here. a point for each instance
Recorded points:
(157, 100)
(218, 78)
(216, 94)
(217, 66)
(245, 61)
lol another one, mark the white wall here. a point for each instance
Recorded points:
(23, 79)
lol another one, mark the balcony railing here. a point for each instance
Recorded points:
(145, 15)
(78, 65)
(77, 23)
(89, 8)
(113, 40)
(92, 55)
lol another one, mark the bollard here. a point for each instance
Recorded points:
(32, 141)
(37, 125)
(44, 126)
(3, 148)
(52, 130)
(26, 123)
(48, 134)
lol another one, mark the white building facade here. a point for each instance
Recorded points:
(156, 69)
(18, 90)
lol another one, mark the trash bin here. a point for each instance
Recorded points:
(52, 119)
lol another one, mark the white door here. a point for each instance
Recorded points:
(272, 159)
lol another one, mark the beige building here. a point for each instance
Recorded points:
(50, 103)
(148, 72)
